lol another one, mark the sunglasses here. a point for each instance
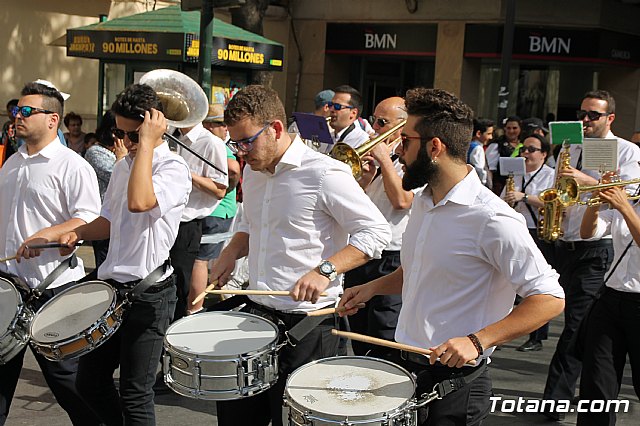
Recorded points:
(530, 149)
(338, 107)
(27, 111)
(381, 121)
(246, 144)
(134, 137)
(404, 139)
(593, 115)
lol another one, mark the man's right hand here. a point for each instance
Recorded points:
(353, 297)
(222, 268)
(69, 239)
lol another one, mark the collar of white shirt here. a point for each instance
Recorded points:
(292, 156)
(49, 151)
(159, 151)
(192, 135)
(463, 193)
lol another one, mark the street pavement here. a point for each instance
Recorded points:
(515, 374)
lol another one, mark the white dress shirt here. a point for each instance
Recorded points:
(543, 180)
(354, 138)
(307, 211)
(492, 155)
(140, 242)
(211, 147)
(478, 160)
(36, 192)
(397, 219)
(626, 276)
(463, 261)
(628, 158)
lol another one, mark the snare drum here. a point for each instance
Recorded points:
(221, 355)
(350, 390)
(15, 317)
(76, 321)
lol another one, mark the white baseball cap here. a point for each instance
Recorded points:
(49, 84)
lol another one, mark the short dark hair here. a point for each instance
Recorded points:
(514, 118)
(13, 102)
(52, 100)
(481, 125)
(89, 136)
(544, 143)
(72, 116)
(104, 132)
(603, 95)
(259, 103)
(135, 100)
(444, 116)
(356, 97)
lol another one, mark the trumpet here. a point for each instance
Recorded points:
(353, 157)
(569, 191)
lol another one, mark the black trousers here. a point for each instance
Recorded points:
(379, 317)
(136, 348)
(183, 256)
(548, 251)
(60, 377)
(260, 409)
(612, 334)
(582, 266)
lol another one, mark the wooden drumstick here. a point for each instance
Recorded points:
(255, 292)
(4, 259)
(386, 343)
(330, 311)
(201, 296)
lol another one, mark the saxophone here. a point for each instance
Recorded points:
(552, 212)
(510, 186)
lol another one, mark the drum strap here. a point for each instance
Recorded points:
(69, 262)
(453, 384)
(147, 282)
(302, 328)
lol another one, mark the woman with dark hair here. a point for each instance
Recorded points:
(103, 156)
(75, 136)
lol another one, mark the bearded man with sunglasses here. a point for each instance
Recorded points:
(582, 263)
(46, 190)
(305, 222)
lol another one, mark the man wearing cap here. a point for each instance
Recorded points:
(209, 187)
(345, 108)
(533, 125)
(46, 190)
(321, 102)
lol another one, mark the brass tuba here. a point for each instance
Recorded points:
(554, 203)
(353, 157)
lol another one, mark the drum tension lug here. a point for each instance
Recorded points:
(288, 340)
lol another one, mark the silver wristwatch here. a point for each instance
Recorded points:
(328, 270)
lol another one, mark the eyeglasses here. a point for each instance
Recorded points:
(381, 121)
(338, 107)
(404, 139)
(134, 137)
(27, 111)
(530, 149)
(246, 144)
(593, 115)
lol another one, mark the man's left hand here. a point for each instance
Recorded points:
(309, 287)
(454, 352)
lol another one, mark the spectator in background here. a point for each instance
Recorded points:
(90, 139)
(75, 135)
(9, 131)
(635, 137)
(506, 146)
(482, 135)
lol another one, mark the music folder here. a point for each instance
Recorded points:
(313, 127)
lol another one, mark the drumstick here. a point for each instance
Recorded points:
(4, 259)
(329, 311)
(204, 293)
(39, 246)
(386, 343)
(255, 292)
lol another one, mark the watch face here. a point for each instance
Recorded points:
(326, 268)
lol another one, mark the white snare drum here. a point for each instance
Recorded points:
(221, 355)
(15, 317)
(351, 390)
(76, 321)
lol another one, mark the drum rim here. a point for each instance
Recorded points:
(49, 302)
(251, 354)
(18, 310)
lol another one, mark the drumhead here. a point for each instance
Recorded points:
(72, 311)
(221, 333)
(350, 386)
(9, 301)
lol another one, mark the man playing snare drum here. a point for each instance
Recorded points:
(306, 220)
(45, 190)
(465, 254)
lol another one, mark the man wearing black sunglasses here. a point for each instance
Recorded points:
(582, 264)
(46, 190)
(344, 110)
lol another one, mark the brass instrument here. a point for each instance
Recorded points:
(184, 102)
(569, 191)
(353, 157)
(510, 186)
(552, 212)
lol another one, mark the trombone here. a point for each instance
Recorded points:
(569, 190)
(353, 157)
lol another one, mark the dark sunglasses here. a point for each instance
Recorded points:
(246, 144)
(405, 140)
(381, 121)
(338, 107)
(593, 115)
(27, 111)
(134, 137)
(530, 149)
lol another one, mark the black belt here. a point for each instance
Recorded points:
(156, 288)
(276, 312)
(423, 360)
(577, 245)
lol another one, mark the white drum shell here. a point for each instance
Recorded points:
(76, 321)
(221, 355)
(15, 318)
(372, 392)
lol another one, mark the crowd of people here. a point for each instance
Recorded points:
(428, 247)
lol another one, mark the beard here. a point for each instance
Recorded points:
(421, 172)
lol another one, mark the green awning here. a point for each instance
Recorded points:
(169, 34)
